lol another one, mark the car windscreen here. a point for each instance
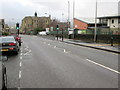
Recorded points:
(3, 39)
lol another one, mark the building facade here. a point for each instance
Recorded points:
(111, 22)
(4, 27)
(30, 23)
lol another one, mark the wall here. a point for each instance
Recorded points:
(80, 25)
(113, 25)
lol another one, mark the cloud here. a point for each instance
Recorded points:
(83, 8)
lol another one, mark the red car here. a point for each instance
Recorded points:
(17, 38)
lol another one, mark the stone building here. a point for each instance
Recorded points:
(4, 27)
(30, 23)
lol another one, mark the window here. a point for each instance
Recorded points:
(112, 21)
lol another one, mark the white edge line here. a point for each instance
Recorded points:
(103, 66)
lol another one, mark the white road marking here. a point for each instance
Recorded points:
(49, 44)
(103, 66)
(26, 48)
(19, 74)
(64, 50)
(20, 64)
(27, 52)
(54, 46)
(21, 54)
(21, 58)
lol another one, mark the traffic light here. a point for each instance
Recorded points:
(17, 26)
(57, 27)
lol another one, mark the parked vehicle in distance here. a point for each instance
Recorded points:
(9, 44)
(18, 38)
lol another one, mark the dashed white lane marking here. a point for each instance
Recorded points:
(103, 66)
(20, 57)
(48, 44)
(64, 50)
(19, 74)
(20, 64)
(55, 46)
(21, 54)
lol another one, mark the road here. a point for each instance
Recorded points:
(45, 63)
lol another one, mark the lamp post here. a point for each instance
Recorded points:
(95, 32)
(73, 18)
(62, 26)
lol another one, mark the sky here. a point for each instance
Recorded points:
(16, 10)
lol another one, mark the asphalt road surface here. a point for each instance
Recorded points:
(45, 63)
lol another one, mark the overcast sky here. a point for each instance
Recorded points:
(16, 10)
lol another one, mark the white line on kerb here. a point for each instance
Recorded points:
(19, 74)
(103, 66)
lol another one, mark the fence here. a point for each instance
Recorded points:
(103, 35)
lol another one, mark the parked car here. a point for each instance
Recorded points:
(9, 44)
(18, 38)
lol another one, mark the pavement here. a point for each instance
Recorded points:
(101, 46)
(47, 63)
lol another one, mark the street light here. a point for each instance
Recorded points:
(95, 32)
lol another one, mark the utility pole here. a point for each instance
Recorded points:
(68, 18)
(73, 17)
(68, 15)
(95, 32)
(62, 25)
